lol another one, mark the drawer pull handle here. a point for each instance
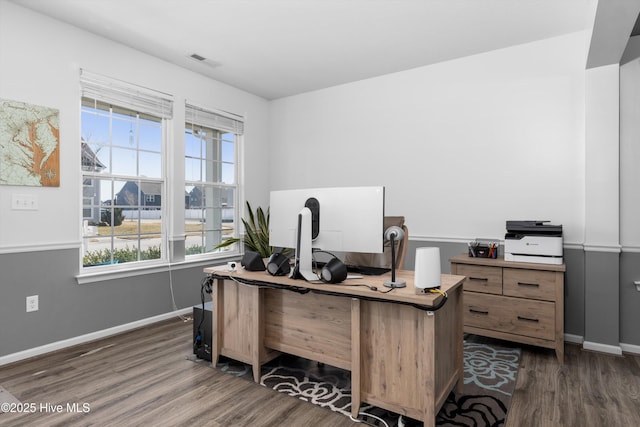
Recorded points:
(528, 319)
(536, 285)
(480, 279)
(473, 310)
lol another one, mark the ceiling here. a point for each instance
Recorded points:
(277, 48)
(636, 28)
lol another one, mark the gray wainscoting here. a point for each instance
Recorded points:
(629, 298)
(69, 310)
(602, 300)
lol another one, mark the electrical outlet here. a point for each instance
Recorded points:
(32, 303)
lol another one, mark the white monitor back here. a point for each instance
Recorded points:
(351, 218)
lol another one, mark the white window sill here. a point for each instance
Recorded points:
(122, 271)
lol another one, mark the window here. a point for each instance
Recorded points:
(122, 139)
(211, 183)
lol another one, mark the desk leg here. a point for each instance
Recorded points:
(256, 331)
(428, 371)
(560, 317)
(216, 320)
(355, 357)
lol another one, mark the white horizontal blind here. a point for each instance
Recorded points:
(215, 120)
(138, 98)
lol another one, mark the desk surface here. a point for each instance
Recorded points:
(350, 287)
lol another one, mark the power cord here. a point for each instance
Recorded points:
(206, 286)
(364, 421)
(296, 289)
(303, 290)
(371, 287)
(173, 297)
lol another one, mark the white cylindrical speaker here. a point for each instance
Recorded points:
(427, 271)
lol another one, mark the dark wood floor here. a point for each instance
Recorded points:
(590, 389)
(145, 377)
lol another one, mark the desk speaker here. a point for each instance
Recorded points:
(278, 265)
(252, 261)
(334, 271)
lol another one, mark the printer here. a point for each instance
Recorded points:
(533, 241)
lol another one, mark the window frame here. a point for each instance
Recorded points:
(93, 86)
(111, 98)
(222, 123)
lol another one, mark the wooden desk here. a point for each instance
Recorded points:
(402, 357)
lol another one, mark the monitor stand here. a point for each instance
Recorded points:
(302, 268)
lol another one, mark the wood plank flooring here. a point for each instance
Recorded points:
(590, 389)
(145, 377)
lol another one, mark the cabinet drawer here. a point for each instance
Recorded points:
(519, 316)
(535, 284)
(481, 278)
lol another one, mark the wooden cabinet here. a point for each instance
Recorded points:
(514, 301)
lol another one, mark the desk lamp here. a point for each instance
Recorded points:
(392, 234)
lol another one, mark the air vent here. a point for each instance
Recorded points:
(204, 61)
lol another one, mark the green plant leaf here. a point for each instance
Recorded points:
(256, 237)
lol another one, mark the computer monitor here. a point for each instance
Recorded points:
(341, 219)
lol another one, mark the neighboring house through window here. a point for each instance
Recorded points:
(211, 178)
(126, 213)
(90, 187)
(123, 134)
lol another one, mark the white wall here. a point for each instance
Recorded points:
(630, 148)
(461, 146)
(40, 59)
(602, 157)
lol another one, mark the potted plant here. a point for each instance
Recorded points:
(256, 236)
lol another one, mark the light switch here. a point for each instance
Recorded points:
(24, 202)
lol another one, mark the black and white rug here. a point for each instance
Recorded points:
(490, 372)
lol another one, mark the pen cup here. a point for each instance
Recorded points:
(483, 249)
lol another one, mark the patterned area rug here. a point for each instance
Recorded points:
(490, 372)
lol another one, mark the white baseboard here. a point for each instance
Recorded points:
(573, 339)
(58, 345)
(602, 348)
(630, 348)
(626, 348)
